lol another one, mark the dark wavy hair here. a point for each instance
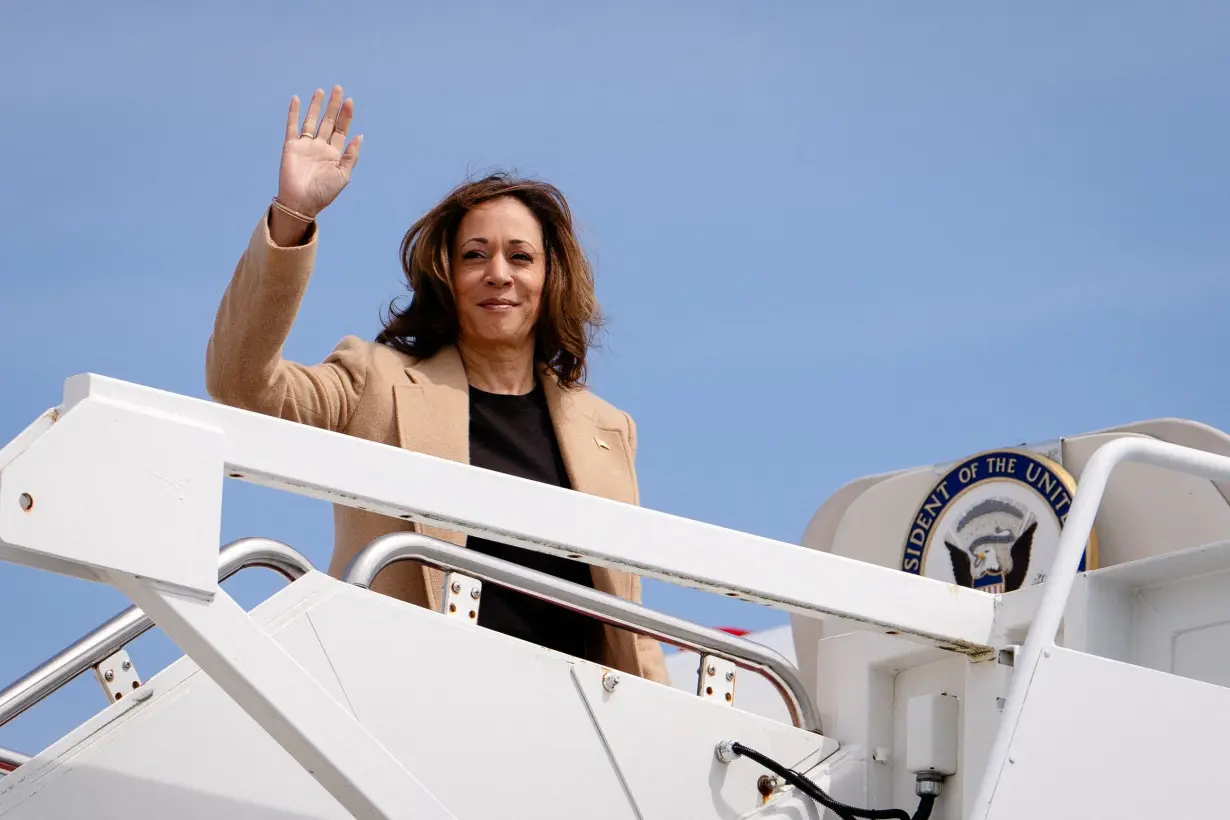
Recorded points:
(569, 315)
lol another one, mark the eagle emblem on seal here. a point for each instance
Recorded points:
(990, 546)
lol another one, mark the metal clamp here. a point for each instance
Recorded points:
(715, 679)
(130, 624)
(460, 598)
(609, 609)
(116, 675)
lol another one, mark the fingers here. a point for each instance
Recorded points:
(351, 155)
(342, 126)
(310, 123)
(332, 127)
(326, 124)
(292, 119)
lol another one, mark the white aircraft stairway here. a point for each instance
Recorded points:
(1082, 679)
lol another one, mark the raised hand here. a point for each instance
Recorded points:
(315, 168)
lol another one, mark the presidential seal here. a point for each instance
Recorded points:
(992, 522)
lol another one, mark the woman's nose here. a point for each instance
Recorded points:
(498, 272)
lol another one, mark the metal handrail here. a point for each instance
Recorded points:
(128, 625)
(10, 759)
(1061, 577)
(609, 609)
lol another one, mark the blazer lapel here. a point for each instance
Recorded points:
(433, 409)
(594, 456)
(598, 462)
(433, 418)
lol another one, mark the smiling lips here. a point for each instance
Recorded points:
(497, 304)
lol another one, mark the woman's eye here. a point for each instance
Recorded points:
(523, 257)
(472, 255)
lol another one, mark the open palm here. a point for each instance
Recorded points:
(316, 159)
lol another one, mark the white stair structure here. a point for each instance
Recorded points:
(1099, 692)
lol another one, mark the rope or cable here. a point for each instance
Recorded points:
(846, 812)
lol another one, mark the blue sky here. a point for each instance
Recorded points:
(831, 239)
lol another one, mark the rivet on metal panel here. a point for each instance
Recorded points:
(719, 682)
(461, 594)
(26, 502)
(610, 681)
(117, 675)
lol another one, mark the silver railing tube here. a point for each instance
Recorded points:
(10, 760)
(132, 623)
(609, 609)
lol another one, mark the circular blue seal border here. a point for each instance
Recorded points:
(1049, 481)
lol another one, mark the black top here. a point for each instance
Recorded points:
(514, 435)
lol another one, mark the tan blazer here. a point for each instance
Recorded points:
(373, 392)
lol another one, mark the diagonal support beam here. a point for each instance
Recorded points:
(128, 494)
(304, 719)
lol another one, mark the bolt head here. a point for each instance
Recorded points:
(456, 587)
(474, 593)
(712, 670)
(730, 676)
(609, 681)
(25, 501)
(127, 665)
(109, 675)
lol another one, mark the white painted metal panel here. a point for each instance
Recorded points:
(115, 487)
(1168, 612)
(186, 750)
(1099, 738)
(462, 706)
(666, 739)
(491, 725)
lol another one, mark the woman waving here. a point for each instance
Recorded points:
(485, 366)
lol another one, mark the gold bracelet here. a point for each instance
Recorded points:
(292, 213)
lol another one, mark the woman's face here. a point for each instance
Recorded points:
(499, 269)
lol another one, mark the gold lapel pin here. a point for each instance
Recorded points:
(601, 443)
